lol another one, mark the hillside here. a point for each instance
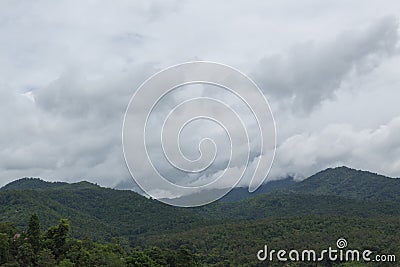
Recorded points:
(236, 243)
(284, 205)
(350, 183)
(341, 181)
(31, 183)
(240, 193)
(356, 203)
(96, 212)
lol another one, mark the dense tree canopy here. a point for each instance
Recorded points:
(82, 224)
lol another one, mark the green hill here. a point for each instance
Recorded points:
(346, 182)
(361, 206)
(235, 243)
(282, 205)
(96, 212)
(31, 183)
(124, 213)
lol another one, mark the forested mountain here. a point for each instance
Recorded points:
(280, 205)
(361, 206)
(96, 212)
(31, 183)
(240, 193)
(340, 181)
(346, 182)
(235, 243)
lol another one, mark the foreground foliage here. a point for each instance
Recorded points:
(232, 243)
(55, 247)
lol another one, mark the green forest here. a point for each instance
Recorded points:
(55, 247)
(83, 224)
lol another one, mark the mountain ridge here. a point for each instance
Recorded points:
(30, 183)
(288, 181)
(350, 183)
(102, 213)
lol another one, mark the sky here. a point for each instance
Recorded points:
(68, 69)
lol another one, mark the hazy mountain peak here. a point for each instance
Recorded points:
(37, 183)
(352, 183)
(30, 183)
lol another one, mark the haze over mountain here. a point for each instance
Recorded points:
(340, 181)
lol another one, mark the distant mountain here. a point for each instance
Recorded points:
(240, 193)
(350, 183)
(340, 181)
(96, 212)
(31, 183)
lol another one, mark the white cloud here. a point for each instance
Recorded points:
(340, 144)
(312, 72)
(68, 70)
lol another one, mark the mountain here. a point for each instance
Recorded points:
(340, 181)
(350, 183)
(96, 212)
(240, 193)
(285, 205)
(31, 183)
(360, 206)
(102, 213)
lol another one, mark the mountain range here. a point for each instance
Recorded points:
(334, 197)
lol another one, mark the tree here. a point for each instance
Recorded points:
(46, 258)
(139, 258)
(65, 263)
(26, 255)
(4, 247)
(57, 235)
(184, 257)
(33, 233)
(157, 255)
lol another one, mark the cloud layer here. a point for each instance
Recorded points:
(68, 70)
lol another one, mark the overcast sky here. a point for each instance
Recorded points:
(329, 69)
